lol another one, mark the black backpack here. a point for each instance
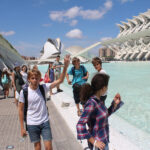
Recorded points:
(83, 69)
(19, 77)
(25, 93)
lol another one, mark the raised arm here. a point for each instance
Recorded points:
(62, 76)
(116, 104)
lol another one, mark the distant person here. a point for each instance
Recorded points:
(57, 66)
(5, 79)
(97, 63)
(80, 76)
(35, 67)
(37, 114)
(17, 81)
(24, 73)
(95, 113)
(51, 74)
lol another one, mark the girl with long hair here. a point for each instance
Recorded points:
(95, 113)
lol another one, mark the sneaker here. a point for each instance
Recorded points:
(59, 90)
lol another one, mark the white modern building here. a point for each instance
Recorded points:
(133, 41)
(8, 55)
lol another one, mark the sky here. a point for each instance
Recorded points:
(27, 24)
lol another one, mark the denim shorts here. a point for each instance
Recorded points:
(36, 131)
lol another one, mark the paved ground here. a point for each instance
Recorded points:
(63, 138)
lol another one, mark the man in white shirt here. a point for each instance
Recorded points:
(97, 63)
(57, 66)
(37, 119)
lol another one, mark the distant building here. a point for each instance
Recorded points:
(106, 53)
(28, 58)
(133, 41)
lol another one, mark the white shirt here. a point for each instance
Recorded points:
(37, 110)
(103, 72)
(24, 76)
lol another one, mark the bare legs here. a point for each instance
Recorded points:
(47, 144)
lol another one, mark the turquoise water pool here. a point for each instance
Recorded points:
(132, 81)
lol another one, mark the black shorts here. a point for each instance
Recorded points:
(76, 93)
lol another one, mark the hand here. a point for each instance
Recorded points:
(117, 98)
(67, 60)
(23, 133)
(84, 77)
(69, 82)
(100, 145)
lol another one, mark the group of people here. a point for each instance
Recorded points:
(15, 79)
(93, 122)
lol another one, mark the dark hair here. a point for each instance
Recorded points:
(96, 60)
(99, 81)
(58, 56)
(26, 68)
(5, 72)
(50, 63)
(74, 59)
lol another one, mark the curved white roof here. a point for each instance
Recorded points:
(51, 47)
(74, 49)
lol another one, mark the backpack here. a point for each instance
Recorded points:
(83, 69)
(46, 78)
(19, 77)
(25, 93)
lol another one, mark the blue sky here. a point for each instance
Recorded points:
(27, 24)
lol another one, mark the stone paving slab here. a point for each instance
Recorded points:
(63, 138)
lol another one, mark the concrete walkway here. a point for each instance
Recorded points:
(63, 138)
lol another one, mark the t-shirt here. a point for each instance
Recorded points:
(24, 76)
(56, 63)
(103, 72)
(78, 75)
(37, 110)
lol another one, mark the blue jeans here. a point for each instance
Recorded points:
(44, 130)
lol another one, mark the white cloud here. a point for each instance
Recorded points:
(76, 11)
(75, 34)
(108, 4)
(91, 14)
(9, 33)
(56, 15)
(72, 12)
(106, 38)
(124, 1)
(73, 22)
(46, 25)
